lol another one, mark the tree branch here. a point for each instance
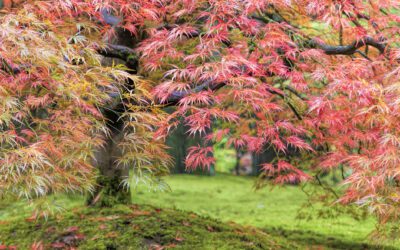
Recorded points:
(329, 49)
(176, 96)
(117, 51)
(295, 112)
(293, 91)
(348, 49)
(4, 65)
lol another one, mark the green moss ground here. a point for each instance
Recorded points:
(19, 210)
(195, 203)
(135, 227)
(232, 198)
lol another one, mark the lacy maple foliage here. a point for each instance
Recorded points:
(316, 76)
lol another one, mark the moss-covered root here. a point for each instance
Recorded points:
(134, 227)
(109, 192)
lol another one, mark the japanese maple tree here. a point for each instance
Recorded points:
(318, 76)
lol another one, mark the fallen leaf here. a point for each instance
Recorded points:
(172, 245)
(140, 213)
(112, 235)
(179, 239)
(79, 236)
(4, 247)
(156, 247)
(95, 238)
(108, 218)
(37, 246)
(134, 207)
(51, 230)
(58, 245)
(72, 229)
(32, 218)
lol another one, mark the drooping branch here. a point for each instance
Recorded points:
(117, 51)
(348, 49)
(111, 50)
(299, 95)
(283, 97)
(176, 96)
(7, 67)
(310, 42)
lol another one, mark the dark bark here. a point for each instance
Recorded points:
(109, 189)
(351, 48)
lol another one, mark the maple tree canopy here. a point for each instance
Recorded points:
(317, 76)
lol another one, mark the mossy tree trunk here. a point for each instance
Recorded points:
(109, 189)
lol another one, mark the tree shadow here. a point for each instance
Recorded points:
(310, 239)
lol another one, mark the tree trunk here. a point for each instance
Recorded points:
(109, 189)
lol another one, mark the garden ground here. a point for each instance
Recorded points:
(276, 211)
(267, 219)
